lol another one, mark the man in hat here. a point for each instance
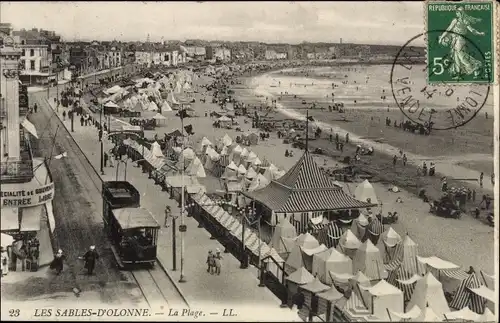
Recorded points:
(58, 262)
(4, 261)
(217, 261)
(90, 258)
(210, 262)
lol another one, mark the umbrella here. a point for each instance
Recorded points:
(6, 240)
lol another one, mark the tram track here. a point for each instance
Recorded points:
(155, 284)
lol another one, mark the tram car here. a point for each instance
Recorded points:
(133, 230)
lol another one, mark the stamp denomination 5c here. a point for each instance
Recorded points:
(462, 53)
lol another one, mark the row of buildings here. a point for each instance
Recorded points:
(26, 187)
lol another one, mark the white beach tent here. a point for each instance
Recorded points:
(205, 142)
(187, 87)
(359, 225)
(284, 229)
(348, 243)
(244, 153)
(156, 150)
(308, 241)
(232, 166)
(429, 292)
(188, 153)
(295, 259)
(385, 297)
(414, 313)
(369, 260)
(165, 107)
(241, 170)
(308, 254)
(111, 104)
(387, 243)
(159, 117)
(257, 162)
(196, 168)
(251, 173)
(251, 157)
(226, 140)
(299, 277)
(258, 183)
(365, 192)
(330, 260)
(428, 315)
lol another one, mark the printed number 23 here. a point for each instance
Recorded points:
(14, 312)
(438, 67)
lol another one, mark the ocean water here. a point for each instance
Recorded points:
(365, 88)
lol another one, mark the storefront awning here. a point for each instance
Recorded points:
(10, 219)
(30, 218)
(29, 127)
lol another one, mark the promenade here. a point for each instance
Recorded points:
(232, 288)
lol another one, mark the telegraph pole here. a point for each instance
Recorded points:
(182, 227)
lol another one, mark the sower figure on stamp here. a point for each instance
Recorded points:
(90, 258)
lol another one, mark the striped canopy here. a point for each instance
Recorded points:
(465, 297)
(329, 235)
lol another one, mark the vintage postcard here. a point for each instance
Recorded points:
(249, 161)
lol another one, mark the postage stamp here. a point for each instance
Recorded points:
(424, 103)
(462, 51)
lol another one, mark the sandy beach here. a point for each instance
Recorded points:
(466, 241)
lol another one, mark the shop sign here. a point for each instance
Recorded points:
(27, 197)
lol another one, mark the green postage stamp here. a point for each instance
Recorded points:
(460, 42)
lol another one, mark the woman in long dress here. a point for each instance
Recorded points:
(58, 262)
(461, 62)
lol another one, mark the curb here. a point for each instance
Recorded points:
(166, 271)
(176, 284)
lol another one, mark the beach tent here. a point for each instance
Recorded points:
(384, 298)
(232, 166)
(306, 240)
(487, 316)
(308, 254)
(466, 297)
(152, 106)
(299, 277)
(358, 226)
(205, 142)
(373, 230)
(196, 168)
(427, 315)
(241, 170)
(327, 299)
(244, 153)
(348, 244)
(355, 309)
(412, 314)
(113, 90)
(187, 87)
(331, 260)
(328, 234)
(284, 229)
(465, 314)
(236, 153)
(366, 193)
(251, 173)
(258, 183)
(158, 117)
(428, 292)
(165, 107)
(251, 157)
(387, 243)
(111, 104)
(311, 289)
(256, 162)
(225, 121)
(188, 153)
(294, 260)
(156, 149)
(226, 140)
(369, 260)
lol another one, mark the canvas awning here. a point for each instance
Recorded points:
(111, 104)
(30, 218)
(29, 127)
(9, 219)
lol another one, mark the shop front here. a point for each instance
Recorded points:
(22, 211)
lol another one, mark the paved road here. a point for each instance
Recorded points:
(77, 212)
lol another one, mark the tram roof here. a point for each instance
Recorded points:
(134, 218)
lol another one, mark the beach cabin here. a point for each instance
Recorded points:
(298, 278)
(310, 291)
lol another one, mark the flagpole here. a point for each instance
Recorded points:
(182, 279)
(307, 130)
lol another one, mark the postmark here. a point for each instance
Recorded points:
(439, 106)
(451, 58)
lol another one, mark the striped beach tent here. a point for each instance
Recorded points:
(387, 243)
(406, 254)
(373, 230)
(359, 225)
(329, 234)
(464, 297)
(300, 221)
(406, 282)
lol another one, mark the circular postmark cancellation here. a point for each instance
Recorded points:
(437, 106)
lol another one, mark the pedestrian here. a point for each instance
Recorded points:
(100, 134)
(347, 138)
(90, 258)
(493, 179)
(481, 179)
(36, 107)
(167, 215)
(405, 159)
(473, 195)
(64, 115)
(394, 160)
(106, 157)
(58, 262)
(210, 262)
(4, 261)
(217, 261)
(111, 162)
(81, 120)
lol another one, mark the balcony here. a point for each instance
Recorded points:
(18, 171)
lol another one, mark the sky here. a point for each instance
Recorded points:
(271, 22)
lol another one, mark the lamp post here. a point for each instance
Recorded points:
(182, 278)
(100, 139)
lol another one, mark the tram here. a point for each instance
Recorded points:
(133, 230)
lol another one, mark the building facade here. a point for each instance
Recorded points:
(25, 186)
